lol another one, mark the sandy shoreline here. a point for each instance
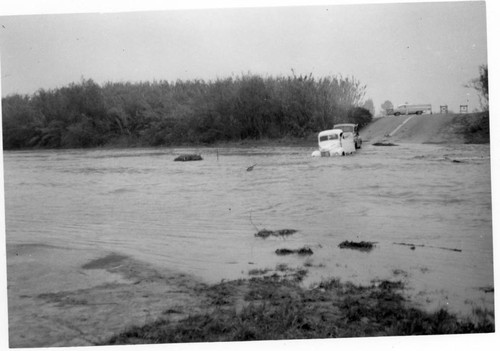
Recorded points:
(72, 297)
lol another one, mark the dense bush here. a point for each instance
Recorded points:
(181, 112)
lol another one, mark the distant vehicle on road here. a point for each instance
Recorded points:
(408, 109)
(350, 131)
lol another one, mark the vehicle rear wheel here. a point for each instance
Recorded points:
(419, 113)
(397, 114)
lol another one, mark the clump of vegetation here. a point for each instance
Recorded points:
(480, 84)
(282, 267)
(222, 294)
(329, 284)
(257, 271)
(362, 245)
(264, 233)
(301, 251)
(309, 263)
(300, 274)
(285, 272)
(283, 252)
(305, 251)
(390, 285)
(188, 157)
(273, 308)
(384, 144)
(474, 127)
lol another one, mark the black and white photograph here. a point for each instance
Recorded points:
(250, 174)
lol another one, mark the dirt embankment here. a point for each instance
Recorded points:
(429, 129)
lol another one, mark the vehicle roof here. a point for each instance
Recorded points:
(344, 124)
(330, 131)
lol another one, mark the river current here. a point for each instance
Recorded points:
(427, 208)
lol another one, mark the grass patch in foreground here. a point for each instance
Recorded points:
(271, 308)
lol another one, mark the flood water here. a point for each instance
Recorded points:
(201, 217)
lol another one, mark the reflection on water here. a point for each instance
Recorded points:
(200, 217)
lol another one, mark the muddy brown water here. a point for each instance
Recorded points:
(201, 217)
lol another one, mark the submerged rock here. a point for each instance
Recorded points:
(188, 157)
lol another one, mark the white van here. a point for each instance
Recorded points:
(408, 109)
(332, 143)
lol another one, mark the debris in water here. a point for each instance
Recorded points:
(189, 157)
(284, 252)
(453, 160)
(301, 251)
(487, 289)
(362, 245)
(251, 168)
(384, 144)
(412, 246)
(264, 233)
(305, 251)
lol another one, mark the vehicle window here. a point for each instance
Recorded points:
(328, 137)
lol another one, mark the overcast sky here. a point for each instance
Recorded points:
(403, 52)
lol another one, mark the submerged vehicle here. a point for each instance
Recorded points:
(350, 128)
(333, 142)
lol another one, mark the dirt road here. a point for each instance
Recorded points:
(423, 129)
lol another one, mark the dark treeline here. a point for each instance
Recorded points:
(86, 114)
